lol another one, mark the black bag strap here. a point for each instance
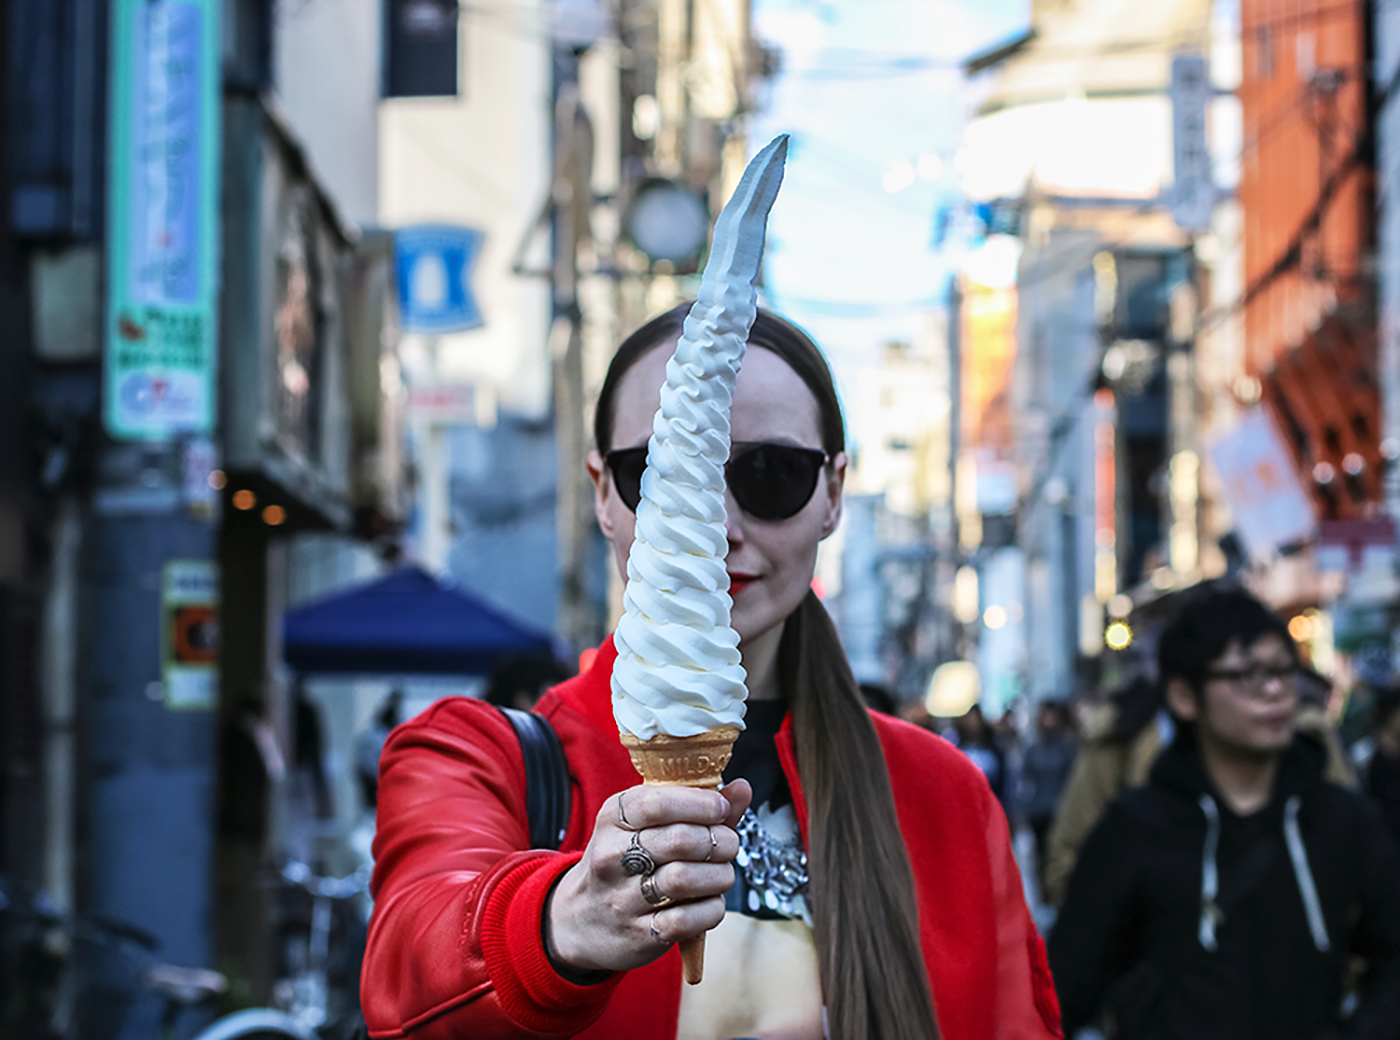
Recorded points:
(547, 785)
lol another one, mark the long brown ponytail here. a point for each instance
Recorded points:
(862, 886)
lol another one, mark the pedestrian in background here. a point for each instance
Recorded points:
(877, 698)
(1383, 771)
(370, 744)
(1120, 738)
(1120, 741)
(1045, 769)
(522, 679)
(976, 739)
(1226, 897)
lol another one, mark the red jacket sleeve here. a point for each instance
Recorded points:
(455, 945)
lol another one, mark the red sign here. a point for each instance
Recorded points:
(443, 404)
(1342, 544)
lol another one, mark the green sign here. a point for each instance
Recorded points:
(162, 219)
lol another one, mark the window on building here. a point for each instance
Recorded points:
(1264, 52)
(247, 44)
(421, 48)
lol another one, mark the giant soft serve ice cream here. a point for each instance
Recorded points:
(678, 688)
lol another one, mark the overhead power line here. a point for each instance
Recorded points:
(1336, 180)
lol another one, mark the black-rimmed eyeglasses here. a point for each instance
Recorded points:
(1256, 677)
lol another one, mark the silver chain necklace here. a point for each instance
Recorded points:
(775, 871)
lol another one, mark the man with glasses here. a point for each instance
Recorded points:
(1226, 898)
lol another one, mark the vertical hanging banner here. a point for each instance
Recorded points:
(162, 220)
(1193, 190)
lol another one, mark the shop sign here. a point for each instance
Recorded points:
(162, 224)
(1270, 508)
(1193, 188)
(189, 606)
(1351, 545)
(447, 405)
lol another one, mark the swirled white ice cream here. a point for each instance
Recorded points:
(678, 670)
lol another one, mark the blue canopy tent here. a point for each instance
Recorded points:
(408, 623)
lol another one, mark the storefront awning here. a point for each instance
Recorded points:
(408, 623)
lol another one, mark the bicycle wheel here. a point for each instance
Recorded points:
(257, 1024)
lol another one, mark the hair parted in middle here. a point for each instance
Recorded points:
(862, 894)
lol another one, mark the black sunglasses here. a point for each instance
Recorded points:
(769, 481)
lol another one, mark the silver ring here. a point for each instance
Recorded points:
(654, 933)
(621, 816)
(714, 844)
(637, 860)
(652, 894)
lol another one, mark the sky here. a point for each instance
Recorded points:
(871, 92)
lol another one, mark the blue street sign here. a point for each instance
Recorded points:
(434, 265)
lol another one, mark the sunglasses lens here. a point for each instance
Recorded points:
(627, 467)
(773, 481)
(769, 481)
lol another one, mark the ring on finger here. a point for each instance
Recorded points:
(622, 816)
(652, 894)
(714, 844)
(637, 860)
(654, 933)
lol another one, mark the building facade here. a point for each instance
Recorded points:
(1076, 424)
(148, 566)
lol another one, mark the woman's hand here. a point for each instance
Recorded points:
(599, 919)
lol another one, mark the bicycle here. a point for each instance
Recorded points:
(78, 977)
(305, 1008)
(83, 977)
(30, 964)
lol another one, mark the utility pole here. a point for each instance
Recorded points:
(571, 196)
(436, 478)
(147, 736)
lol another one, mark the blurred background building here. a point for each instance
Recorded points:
(881, 572)
(183, 464)
(1181, 206)
(1069, 352)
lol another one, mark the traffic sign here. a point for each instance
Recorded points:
(434, 265)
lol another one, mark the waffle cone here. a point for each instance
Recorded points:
(696, 761)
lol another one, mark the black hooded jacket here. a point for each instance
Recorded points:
(1185, 921)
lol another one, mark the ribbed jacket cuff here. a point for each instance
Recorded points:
(530, 989)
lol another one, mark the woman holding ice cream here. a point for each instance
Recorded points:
(854, 876)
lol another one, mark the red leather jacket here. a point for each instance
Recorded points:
(455, 949)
